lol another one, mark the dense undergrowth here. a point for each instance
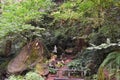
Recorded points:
(96, 20)
(28, 76)
(16, 15)
(78, 13)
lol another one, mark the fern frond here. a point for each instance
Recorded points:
(112, 57)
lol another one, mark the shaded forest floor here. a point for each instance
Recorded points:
(63, 72)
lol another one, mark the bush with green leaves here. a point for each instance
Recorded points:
(52, 70)
(16, 15)
(76, 64)
(13, 77)
(33, 76)
(28, 76)
(72, 10)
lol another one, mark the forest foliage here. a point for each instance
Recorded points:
(16, 15)
(69, 18)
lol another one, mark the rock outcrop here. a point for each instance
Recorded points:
(29, 56)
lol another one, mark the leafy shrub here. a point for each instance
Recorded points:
(52, 70)
(33, 76)
(76, 64)
(28, 76)
(15, 15)
(13, 77)
(72, 10)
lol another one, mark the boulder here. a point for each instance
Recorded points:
(29, 56)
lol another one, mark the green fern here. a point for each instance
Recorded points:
(112, 57)
(112, 64)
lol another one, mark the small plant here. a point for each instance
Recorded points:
(13, 77)
(94, 77)
(28, 76)
(52, 70)
(76, 64)
(33, 76)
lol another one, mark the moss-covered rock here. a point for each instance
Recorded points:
(31, 54)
